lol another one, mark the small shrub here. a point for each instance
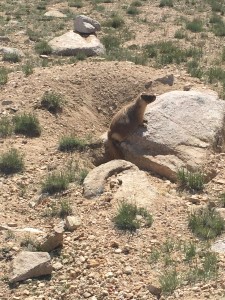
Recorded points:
(75, 3)
(5, 127)
(11, 162)
(70, 144)
(65, 209)
(164, 3)
(27, 124)
(154, 256)
(180, 34)
(52, 102)
(27, 69)
(222, 200)
(29, 243)
(169, 281)
(55, 183)
(3, 75)
(43, 47)
(132, 10)
(11, 57)
(219, 29)
(136, 3)
(223, 54)
(189, 251)
(110, 42)
(115, 22)
(195, 25)
(126, 216)
(193, 181)
(33, 35)
(216, 74)
(194, 68)
(206, 223)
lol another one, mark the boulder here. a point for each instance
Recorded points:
(31, 264)
(52, 240)
(183, 128)
(72, 43)
(84, 24)
(125, 180)
(9, 50)
(54, 14)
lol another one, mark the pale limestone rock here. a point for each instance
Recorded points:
(31, 264)
(72, 223)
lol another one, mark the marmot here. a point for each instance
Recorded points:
(126, 121)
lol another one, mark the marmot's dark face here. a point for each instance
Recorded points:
(148, 98)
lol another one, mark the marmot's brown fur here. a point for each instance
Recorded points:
(126, 121)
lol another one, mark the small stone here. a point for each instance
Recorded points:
(154, 290)
(72, 222)
(118, 251)
(57, 266)
(86, 295)
(109, 275)
(127, 270)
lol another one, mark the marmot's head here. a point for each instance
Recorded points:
(148, 98)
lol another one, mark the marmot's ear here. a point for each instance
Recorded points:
(149, 98)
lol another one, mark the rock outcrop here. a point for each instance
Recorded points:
(71, 43)
(85, 24)
(183, 127)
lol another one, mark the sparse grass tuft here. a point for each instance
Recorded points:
(55, 183)
(164, 3)
(75, 3)
(132, 10)
(28, 68)
(193, 181)
(195, 25)
(206, 223)
(27, 124)
(169, 281)
(11, 162)
(5, 127)
(3, 75)
(126, 218)
(43, 48)
(52, 102)
(60, 209)
(11, 57)
(194, 69)
(71, 143)
(180, 34)
(115, 22)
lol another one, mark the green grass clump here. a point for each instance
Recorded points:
(27, 124)
(195, 25)
(43, 48)
(5, 127)
(11, 57)
(194, 68)
(126, 217)
(52, 101)
(75, 3)
(115, 22)
(55, 183)
(206, 223)
(193, 181)
(28, 68)
(33, 35)
(216, 74)
(132, 10)
(169, 281)
(164, 3)
(70, 144)
(111, 42)
(11, 162)
(3, 75)
(59, 209)
(180, 34)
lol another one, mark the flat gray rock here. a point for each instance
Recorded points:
(84, 24)
(71, 43)
(9, 50)
(31, 264)
(183, 127)
(54, 14)
(218, 246)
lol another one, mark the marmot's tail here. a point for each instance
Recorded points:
(114, 149)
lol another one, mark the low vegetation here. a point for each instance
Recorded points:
(55, 183)
(206, 223)
(11, 162)
(59, 209)
(52, 101)
(192, 181)
(43, 48)
(6, 128)
(127, 217)
(11, 57)
(71, 144)
(27, 124)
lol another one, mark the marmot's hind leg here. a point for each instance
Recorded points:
(114, 149)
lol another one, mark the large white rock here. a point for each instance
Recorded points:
(31, 264)
(134, 184)
(84, 24)
(71, 43)
(183, 127)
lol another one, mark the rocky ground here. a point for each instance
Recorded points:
(97, 261)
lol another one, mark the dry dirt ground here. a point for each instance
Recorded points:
(97, 261)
